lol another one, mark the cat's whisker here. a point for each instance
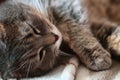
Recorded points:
(29, 66)
(19, 67)
(26, 54)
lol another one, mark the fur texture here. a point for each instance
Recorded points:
(32, 31)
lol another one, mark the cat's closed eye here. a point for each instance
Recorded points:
(41, 53)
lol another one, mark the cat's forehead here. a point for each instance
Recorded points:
(21, 19)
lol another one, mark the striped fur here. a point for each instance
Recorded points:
(83, 25)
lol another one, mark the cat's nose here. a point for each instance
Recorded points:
(50, 39)
(58, 33)
(56, 37)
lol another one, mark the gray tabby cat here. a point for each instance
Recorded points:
(30, 39)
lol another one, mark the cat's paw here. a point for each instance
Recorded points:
(101, 61)
(114, 42)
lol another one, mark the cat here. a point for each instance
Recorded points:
(32, 31)
(26, 39)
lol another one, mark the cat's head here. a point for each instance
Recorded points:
(29, 43)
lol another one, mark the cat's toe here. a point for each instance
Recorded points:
(114, 44)
(99, 60)
(102, 63)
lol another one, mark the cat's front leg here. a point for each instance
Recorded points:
(80, 39)
(89, 50)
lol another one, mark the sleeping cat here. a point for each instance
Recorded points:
(31, 32)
